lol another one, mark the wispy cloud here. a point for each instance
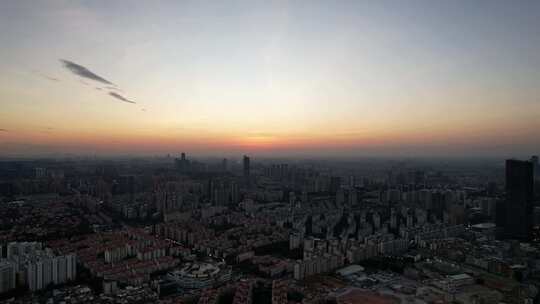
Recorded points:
(3, 130)
(120, 97)
(82, 71)
(143, 109)
(113, 88)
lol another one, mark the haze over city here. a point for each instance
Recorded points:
(270, 78)
(270, 152)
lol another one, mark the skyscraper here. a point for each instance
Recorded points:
(7, 276)
(536, 166)
(519, 199)
(224, 165)
(182, 164)
(246, 167)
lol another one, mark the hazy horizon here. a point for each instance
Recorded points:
(270, 78)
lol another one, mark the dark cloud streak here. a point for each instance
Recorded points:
(120, 97)
(83, 72)
(113, 88)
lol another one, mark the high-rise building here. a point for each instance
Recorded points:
(536, 166)
(47, 272)
(182, 164)
(40, 172)
(246, 167)
(224, 165)
(219, 195)
(32, 277)
(353, 197)
(292, 199)
(519, 199)
(36, 267)
(71, 265)
(22, 248)
(7, 276)
(55, 277)
(235, 196)
(62, 269)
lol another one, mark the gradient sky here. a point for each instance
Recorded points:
(426, 78)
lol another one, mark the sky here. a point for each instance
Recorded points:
(317, 78)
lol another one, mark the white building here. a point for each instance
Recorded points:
(39, 268)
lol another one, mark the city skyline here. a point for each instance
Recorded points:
(270, 78)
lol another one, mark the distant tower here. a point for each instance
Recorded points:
(182, 163)
(235, 197)
(519, 199)
(246, 167)
(536, 167)
(224, 165)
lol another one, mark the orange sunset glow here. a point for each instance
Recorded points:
(267, 78)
